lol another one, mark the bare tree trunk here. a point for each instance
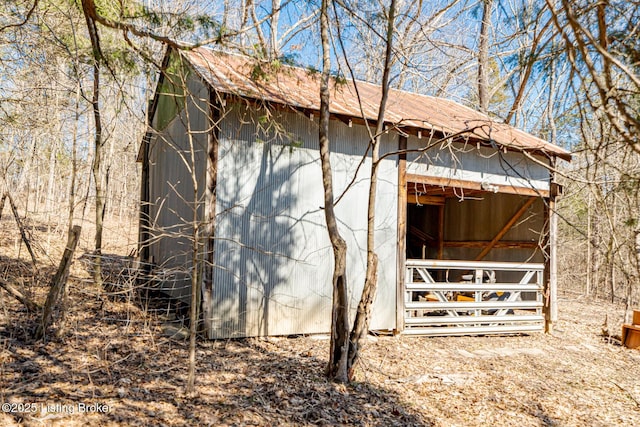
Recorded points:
(483, 57)
(2, 200)
(337, 368)
(210, 209)
(74, 160)
(97, 176)
(194, 312)
(58, 282)
(637, 259)
(72, 201)
(87, 6)
(275, 18)
(363, 314)
(195, 300)
(589, 257)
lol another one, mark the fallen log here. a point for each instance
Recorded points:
(31, 306)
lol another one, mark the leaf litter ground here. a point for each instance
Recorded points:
(117, 356)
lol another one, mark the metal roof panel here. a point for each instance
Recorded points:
(300, 88)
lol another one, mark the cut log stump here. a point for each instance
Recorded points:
(636, 317)
(631, 336)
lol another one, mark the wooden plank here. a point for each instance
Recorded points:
(552, 311)
(553, 263)
(448, 320)
(506, 228)
(474, 265)
(441, 231)
(422, 199)
(471, 305)
(472, 185)
(483, 243)
(419, 234)
(401, 233)
(636, 317)
(467, 287)
(473, 330)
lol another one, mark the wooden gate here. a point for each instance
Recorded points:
(472, 297)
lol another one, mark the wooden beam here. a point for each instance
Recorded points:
(506, 228)
(551, 291)
(473, 185)
(419, 234)
(497, 245)
(440, 231)
(422, 199)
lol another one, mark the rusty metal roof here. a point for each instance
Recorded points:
(300, 88)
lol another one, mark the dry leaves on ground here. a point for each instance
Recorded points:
(116, 355)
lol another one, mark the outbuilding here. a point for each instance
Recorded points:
(465, 217)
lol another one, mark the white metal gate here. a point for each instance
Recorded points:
(472, 297)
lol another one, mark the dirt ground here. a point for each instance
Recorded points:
(116, 366)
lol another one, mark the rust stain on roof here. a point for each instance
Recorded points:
(300, 88)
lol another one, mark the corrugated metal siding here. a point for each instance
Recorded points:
(273, 258)
(171, 191)
(485, 165)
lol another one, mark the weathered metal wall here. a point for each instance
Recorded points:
(273, 259)
(171, 191)
(470, 163)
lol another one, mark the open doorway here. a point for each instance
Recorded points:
(474, 261)
(475, 225)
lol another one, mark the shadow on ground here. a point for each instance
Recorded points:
(114, 354)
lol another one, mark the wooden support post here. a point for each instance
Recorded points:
(402, 232)
(59, 281)
(422, 199)
(440, 231)
(144, 220)
(506, 228)
(551, 316)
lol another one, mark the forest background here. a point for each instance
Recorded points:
(76, 78)
(565, 71)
